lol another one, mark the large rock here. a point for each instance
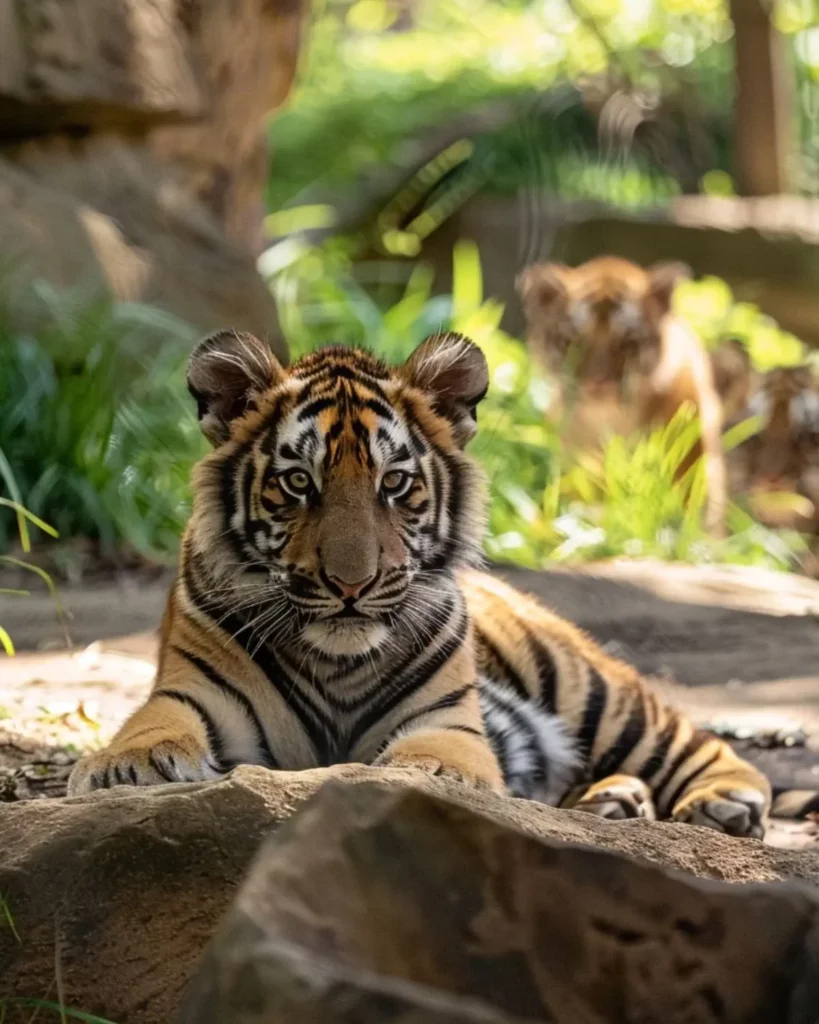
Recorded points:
(133, 155)
(193, 80)
(105, 218)
(245, 53)
(372, 899)
(130, 884)
(94, 63)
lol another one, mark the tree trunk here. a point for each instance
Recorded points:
(762, 136)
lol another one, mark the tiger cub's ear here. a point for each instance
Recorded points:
(542, 284)
(663, 278)
(225, 371)
(453, 371)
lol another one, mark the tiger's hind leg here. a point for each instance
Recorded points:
(722, 791)
(725, 806)
(616, 798)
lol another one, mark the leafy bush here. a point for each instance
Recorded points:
(450, 56)
(543, 507)
(708, 306)
(95, 422)
(494, 51)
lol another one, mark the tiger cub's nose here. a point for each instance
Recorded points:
(351, 591)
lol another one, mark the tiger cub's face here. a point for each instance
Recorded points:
(599, 323)
(787, 445)
(338, 487)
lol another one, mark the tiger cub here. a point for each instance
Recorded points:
(327, 609)
(621, 360)
(783, 455)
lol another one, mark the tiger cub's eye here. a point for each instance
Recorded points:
(396, 482)
(297, 481)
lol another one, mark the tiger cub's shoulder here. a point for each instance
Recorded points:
(512, 621)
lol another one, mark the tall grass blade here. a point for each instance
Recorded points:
(5, 643)
(64, 1011)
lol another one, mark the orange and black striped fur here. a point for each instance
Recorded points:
(621, 360)
(327, 610)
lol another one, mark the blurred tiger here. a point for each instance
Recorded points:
(622, 362)
(783, 455)
(327, 609)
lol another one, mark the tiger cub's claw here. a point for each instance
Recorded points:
(178, 760)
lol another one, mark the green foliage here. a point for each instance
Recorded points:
(94, 421)
(376, 73)
(23, 517)
(543, 507)
(7, 919)
(636, 501)
(709, 307)
(363, 90)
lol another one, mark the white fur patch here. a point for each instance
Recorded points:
(580, 316)
(529, 736)
(345, 637)
(804, 411)
(627, 317)
(760, 405)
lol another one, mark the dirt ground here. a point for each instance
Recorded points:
(738, 649)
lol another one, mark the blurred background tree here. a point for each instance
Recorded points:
(656, 85)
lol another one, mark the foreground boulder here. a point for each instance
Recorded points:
(125, 887)
(141, 238)
(373, 902)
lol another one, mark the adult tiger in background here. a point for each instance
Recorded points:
(621, 360)
(327, 610)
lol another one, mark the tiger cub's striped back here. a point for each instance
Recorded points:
(616, 723)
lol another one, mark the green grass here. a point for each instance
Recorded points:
(7, 920)
(23, 517)
(95, 423)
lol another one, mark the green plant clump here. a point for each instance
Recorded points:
(709, 307)
(23, 517)
(95, 422)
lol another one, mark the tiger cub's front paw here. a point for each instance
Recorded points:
(449, 755)
(179, 760)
